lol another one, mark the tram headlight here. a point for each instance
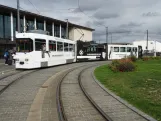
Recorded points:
(26, 59)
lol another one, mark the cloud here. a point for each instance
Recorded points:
(131, 25)
(151, 14)
(105, 15)
(121, 16)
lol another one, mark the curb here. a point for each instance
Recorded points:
(147, 117)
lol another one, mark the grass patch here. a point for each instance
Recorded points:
(141, 88)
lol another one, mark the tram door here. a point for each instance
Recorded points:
(140, 50)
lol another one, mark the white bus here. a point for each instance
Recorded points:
(119, 51)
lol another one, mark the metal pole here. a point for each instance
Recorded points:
(111, 38)
(155, 49)
(18, 15)
(106, 43)
(67, 37)
(147, 42)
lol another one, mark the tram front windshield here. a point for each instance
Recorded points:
(24, 45)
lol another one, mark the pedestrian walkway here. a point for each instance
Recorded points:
(16, 100)
(2, 61)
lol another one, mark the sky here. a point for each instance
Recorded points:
(127, 20)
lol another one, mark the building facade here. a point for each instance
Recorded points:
(32, 21)
(153, 46)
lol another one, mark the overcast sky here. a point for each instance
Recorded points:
(127, 20)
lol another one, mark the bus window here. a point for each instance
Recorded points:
(66, 47)
(24, 45)
(52, 45)
(122, 49)
(134, 49)
(116, 49)
(128, 49)
(59, 46)
(39, 44)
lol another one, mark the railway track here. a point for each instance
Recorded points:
(9, 78)
(63, 112)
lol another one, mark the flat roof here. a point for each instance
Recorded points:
(5, 9)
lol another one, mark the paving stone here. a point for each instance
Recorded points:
(75, 104)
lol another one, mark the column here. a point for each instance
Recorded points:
(44, 25)
(53, 28)
(35, 26)
(60, 30)
(24, 22)
(12, 27)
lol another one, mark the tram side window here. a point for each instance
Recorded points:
(128, 49)
(122, 49)
(93, 49)
(39, 44)
(71, 47)
(52, 45)
(66, 47)
(59, 46)
(116, 49)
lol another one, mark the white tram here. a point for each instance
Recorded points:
(119, 51)
(40, 50)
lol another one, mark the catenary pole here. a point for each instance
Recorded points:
(18, 15)
(106, 43)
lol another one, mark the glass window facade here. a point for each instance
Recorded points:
(1, 27)
(21, 24)
(49, 28)
(57, 30)
(30, 25)
(40, 25)
(63, 32)
(7, 26)
(14, 26)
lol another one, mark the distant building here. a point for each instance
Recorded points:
(152, 45)
(30, 21)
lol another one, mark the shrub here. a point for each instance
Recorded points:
(126, 66)
(133, 58)
(123, 65)
(146, 58)
(157, 57)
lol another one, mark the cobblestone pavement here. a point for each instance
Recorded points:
(16, 100)
(4, 68)
(112, 107)
(75, 104)
(10, 79)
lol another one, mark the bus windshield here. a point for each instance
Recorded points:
(24, 45)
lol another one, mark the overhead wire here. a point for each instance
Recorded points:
(34, 7)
